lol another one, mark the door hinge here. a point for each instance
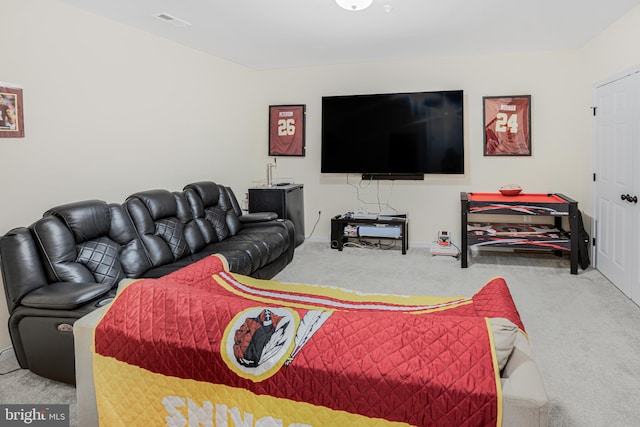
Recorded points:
(594, 177)
(594, 110)
(593, 241)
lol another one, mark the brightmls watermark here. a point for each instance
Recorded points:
(34, 415)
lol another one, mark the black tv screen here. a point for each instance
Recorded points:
(393, 134)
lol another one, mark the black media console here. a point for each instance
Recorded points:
(340, 222)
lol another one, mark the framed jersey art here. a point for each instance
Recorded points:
(11, 116)
(507, 125)
(286, 130)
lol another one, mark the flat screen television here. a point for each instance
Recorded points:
(393, 136)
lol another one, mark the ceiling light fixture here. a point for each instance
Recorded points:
(354, 5)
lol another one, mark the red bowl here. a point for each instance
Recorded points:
(510, 192)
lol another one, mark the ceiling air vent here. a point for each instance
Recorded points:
(170, 19)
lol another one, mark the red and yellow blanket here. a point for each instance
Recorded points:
(203, 345)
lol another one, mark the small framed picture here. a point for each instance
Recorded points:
(507, 125)
(286, 130)
(11, 116)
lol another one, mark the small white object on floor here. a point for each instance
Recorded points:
(448, 250)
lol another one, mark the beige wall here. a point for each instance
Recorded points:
(559, 162)
(561, 87)
(616, 50)
(110, 111)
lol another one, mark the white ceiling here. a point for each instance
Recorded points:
(271, 34)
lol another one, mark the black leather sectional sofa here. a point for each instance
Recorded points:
(70, 262)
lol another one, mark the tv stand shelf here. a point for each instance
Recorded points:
(339, 222)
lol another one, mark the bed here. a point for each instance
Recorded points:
(203, 345)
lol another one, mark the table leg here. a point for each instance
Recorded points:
(405, 237)
(575, 236)
(463, 235)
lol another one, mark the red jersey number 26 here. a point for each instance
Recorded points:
(286, 127)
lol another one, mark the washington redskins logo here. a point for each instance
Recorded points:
(259, 341)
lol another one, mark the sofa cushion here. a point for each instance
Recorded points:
(269, 245)
(87, 219)
(160, 203)
(101, 256)
(239, 261)
(239, 254)
(71, 261)
(209, 200)
(163, 270)
(132, 255)
(155, 216)
(226, 205)
(89, 241)
(218, 218)
(172, 232)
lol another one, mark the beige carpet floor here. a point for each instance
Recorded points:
(584, 333)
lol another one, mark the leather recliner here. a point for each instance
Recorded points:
(70, 262)
(218, 215)
(62, 267)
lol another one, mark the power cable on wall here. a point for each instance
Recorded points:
(314, 226)
(377, 202)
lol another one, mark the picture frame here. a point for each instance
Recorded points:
(11, 113)
(507, 125)
(287, 125)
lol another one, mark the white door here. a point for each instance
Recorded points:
(616, 161)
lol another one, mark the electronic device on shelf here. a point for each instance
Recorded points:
(388, 231)
(363, 214)
(392, 216)
(393, 135)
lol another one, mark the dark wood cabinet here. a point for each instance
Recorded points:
(285, 200)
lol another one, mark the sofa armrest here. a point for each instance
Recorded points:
(525, 401)
(21, 265)
(83, 346)
(257, 217)
(64, 295)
